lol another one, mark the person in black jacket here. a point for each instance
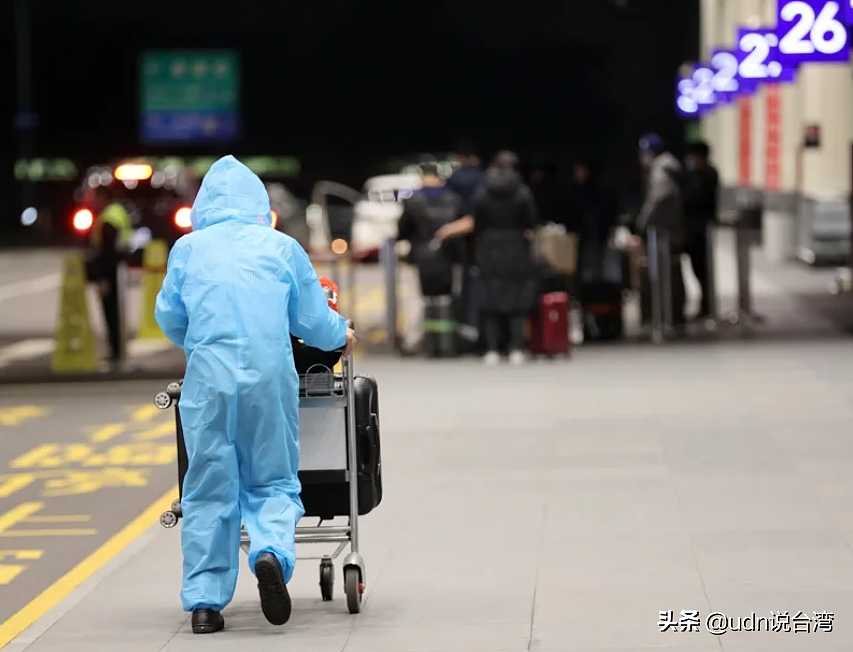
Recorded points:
(424, 213)
(103, 270)
(502, 220)
(701, 187)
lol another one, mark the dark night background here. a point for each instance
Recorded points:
(345, 85)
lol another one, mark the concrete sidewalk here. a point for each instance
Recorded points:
(558, 507)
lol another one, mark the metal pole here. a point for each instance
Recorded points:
(25, 120)
(351, 285)
(121, 290)
(711, 276)
(388, 258)
(742, 245)
(666, 282)
(653, 261)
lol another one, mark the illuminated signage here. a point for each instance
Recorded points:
(757, 53)
(811, 31)
(686, 104)
(696, 89)
(726, 83)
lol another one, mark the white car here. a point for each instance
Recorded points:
(376, 216)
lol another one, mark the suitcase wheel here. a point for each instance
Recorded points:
(168, 519)
(327, 579)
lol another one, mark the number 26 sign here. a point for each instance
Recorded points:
(812, 31)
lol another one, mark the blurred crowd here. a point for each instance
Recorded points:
(501, 254)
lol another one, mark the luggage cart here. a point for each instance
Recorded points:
(327, 438)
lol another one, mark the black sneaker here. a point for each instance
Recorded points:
(207, 621)
(275, 600)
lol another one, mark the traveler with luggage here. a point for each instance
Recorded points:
(601, 279)
(424, 213)
(235, 290)
(502, 222)
(701, 185)
(663, 211)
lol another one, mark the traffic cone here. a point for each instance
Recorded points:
(74, 343)
(153, 272)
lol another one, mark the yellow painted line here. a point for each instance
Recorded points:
(110, 431)
(54, 594)
(16, 415)
(157, 432)
(49, 533)
(145, 413)
(81, 518)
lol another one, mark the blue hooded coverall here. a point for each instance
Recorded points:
(234, 291)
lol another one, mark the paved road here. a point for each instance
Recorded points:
(559, 506)
(80, 463)
(29, 301)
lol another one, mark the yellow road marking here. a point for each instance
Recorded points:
(157, 432)
(9, 572)
(18, 514)
(110, 431)
(79, 518)
(18, 534)
(145, 413)
(16, 415)
(54, 594)
(24, 555)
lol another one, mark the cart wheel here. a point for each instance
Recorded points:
(327, 580)
(353, 588)
(176, 508)
(168, 520)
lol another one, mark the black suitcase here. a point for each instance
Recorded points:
(325, 494)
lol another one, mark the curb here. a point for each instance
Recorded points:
(46, 377)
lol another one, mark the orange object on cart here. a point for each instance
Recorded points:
(331, 290)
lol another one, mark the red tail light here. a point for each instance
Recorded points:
(83, 220)
(183, 218)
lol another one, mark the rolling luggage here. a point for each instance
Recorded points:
(325, 494)
(603, 281)
(439, 326)
(549, 329)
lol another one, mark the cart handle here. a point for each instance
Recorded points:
(351, 325)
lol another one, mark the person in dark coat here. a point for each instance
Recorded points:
(502, 220)
(468, 177)
(424, 213)
(701, 187)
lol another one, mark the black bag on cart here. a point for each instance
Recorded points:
(325, 494)
(310, 359)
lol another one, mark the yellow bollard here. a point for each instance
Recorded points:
(153, 272)
(74, 343)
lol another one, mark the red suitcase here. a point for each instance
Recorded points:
(549, 328)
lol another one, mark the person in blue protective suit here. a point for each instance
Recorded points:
(235, 290)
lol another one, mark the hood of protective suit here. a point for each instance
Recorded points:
(230, 191)
(502, 183)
